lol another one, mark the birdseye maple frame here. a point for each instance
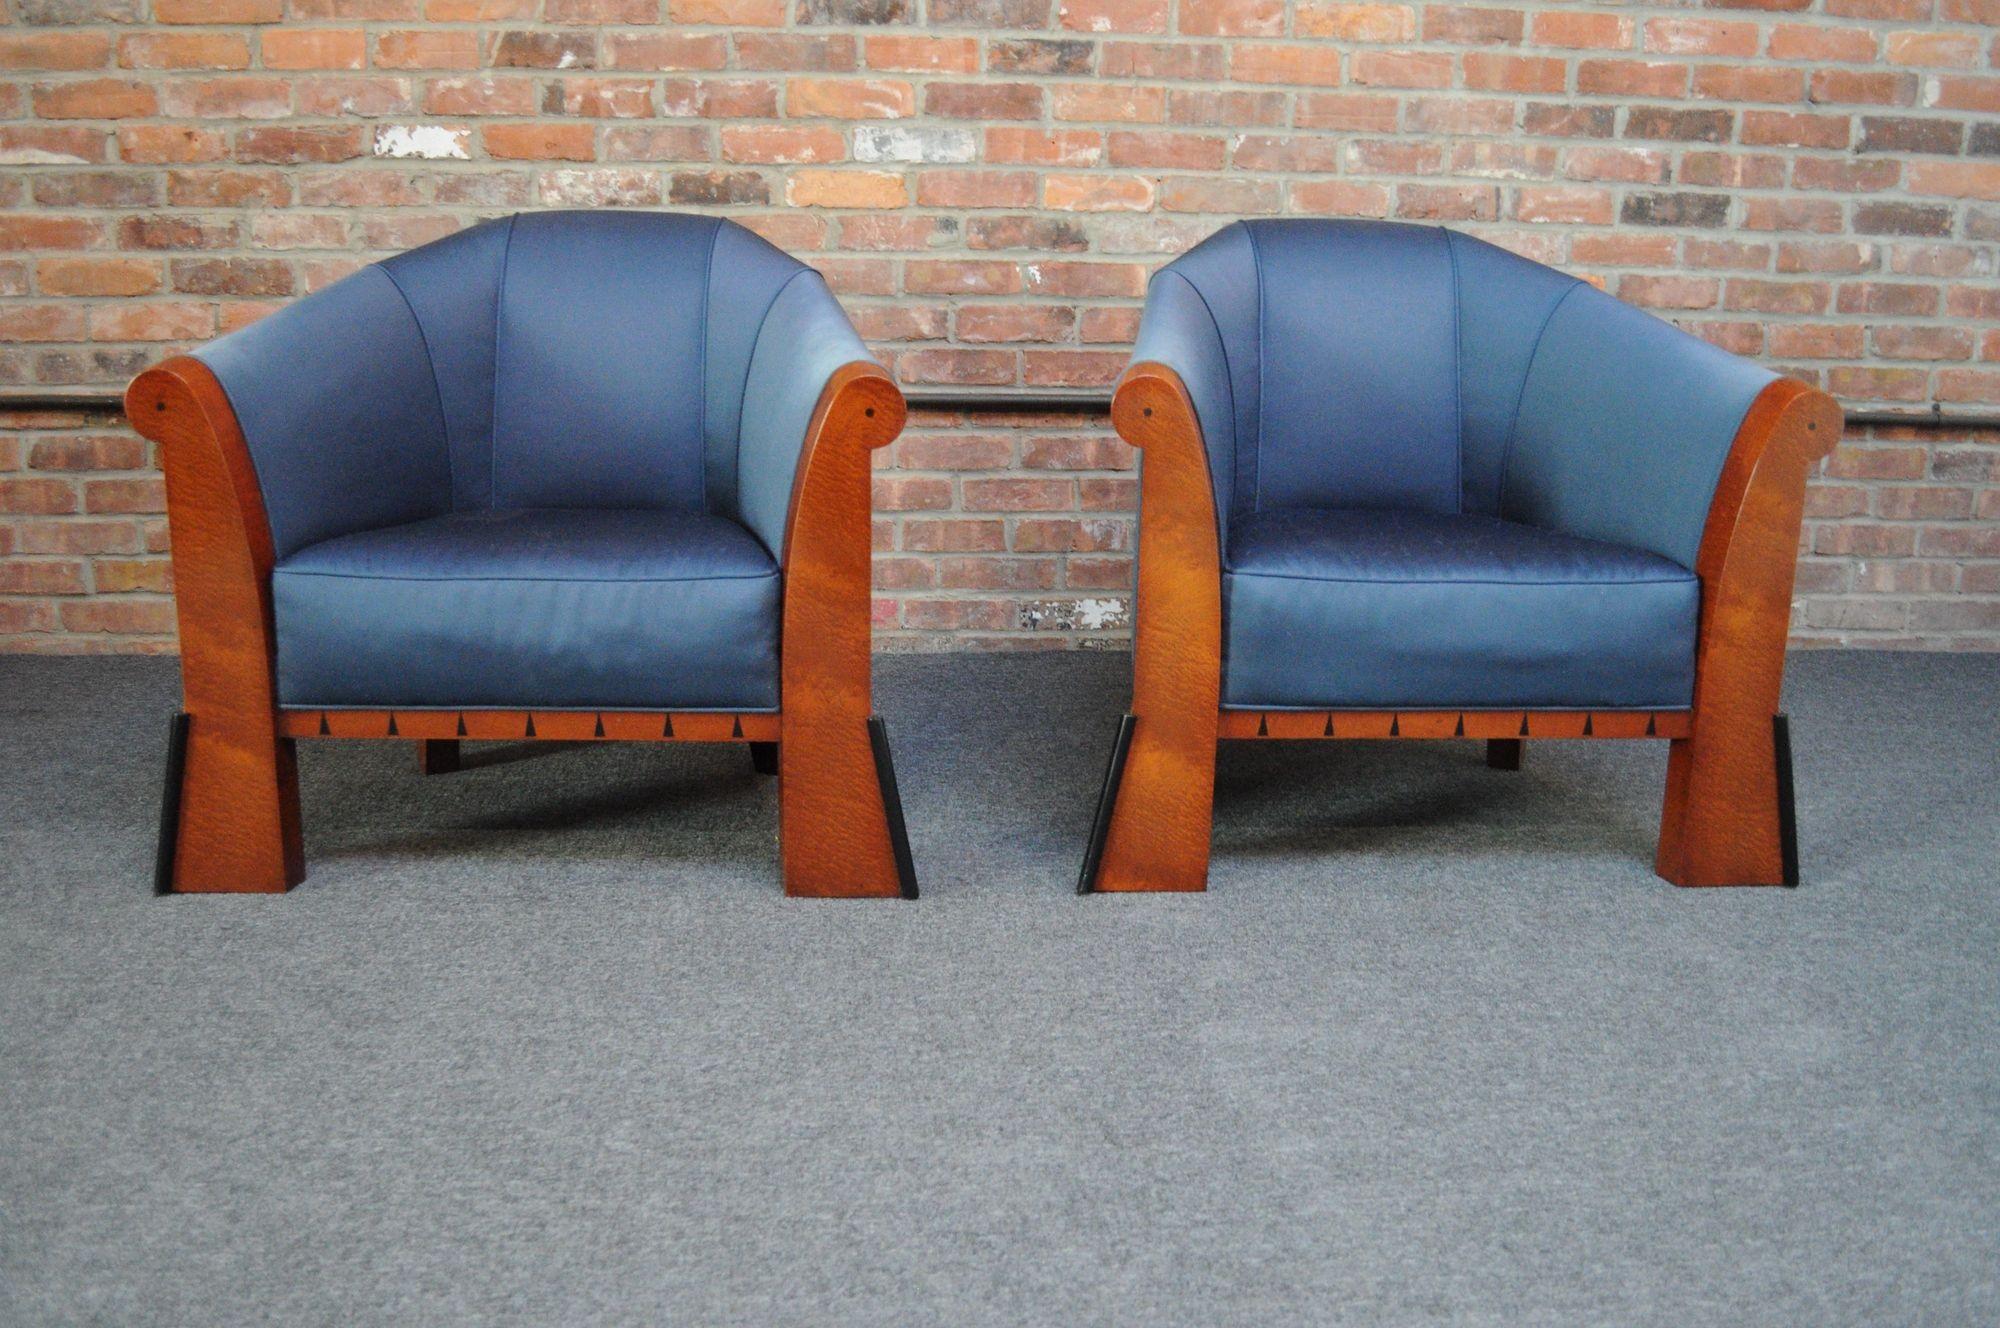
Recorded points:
(232, 823)
(1724, 821)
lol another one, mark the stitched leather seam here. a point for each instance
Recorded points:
(1520, 394)
(528, 580)
(707, 290)
(1257, 450)
(1467, 581)
(431, 708)
(743, 398)
(1228, 379)
(493, 429)
(430, 358)
(1457, 360)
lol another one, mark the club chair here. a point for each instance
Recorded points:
(1398, 483)
(570, 476)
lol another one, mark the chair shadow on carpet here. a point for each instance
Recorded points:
(1276, 799)
(553, 802)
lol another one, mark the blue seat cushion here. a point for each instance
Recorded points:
(1330, 609)
(543, 609)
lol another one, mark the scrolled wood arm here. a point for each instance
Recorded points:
(1159, 834)
(242, 780)
(1720, 777)
(826, 765)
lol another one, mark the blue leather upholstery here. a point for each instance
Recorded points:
(1370, 609)
(597, 609)
(608, 365)
(1342, 368)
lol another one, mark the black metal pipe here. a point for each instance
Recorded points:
(1028, 403)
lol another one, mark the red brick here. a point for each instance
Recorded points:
(850, 99)
(427, 49)
(182, 50)
(1357, 22)
(1097, 193)
(313, 48)
(1232, 18)
(97, 276)
(1580, 31)
(1112, 15)
(539, 142)
(95, 99)
(1305, 65)
(940, 276)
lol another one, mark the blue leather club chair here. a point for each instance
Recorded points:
(1397, 482)
(563, 475)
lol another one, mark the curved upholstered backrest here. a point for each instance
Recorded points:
(1378, 365)
(555, 359)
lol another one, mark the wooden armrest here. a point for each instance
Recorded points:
(832, 819)
(1750, 545)
(1158, 836)
(221, 537)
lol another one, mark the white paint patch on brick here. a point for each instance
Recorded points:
(904, 143)
(1097, 614)
(431, 142)
(38, 157)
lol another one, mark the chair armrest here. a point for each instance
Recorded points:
(833, 836)
(221, 539)
(1750, 548)
(1160, 841)
(338, 403)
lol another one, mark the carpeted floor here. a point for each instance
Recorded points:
(543, 1043)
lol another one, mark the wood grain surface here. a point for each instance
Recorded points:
(833, 826)
(1159, 836)
(1719, 825)
(239, 810)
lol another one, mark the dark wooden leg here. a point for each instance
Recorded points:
(764, 757)
(1505, 753)
(438, 756)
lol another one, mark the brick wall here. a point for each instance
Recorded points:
(986, 183)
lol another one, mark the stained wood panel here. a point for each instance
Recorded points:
(1159, 834)
(833, 824)
(1454, 724)
(516, 725)
(238, 822)
(1719, 824)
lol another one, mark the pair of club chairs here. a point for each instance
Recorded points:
(605, 476)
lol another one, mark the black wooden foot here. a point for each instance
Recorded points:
(1107, 799)
(1788, 814)
(1505, 753)
(764, 757)
(439, 756)
(892, 803)
(170, 805)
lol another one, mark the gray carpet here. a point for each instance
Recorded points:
(543, 1043)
